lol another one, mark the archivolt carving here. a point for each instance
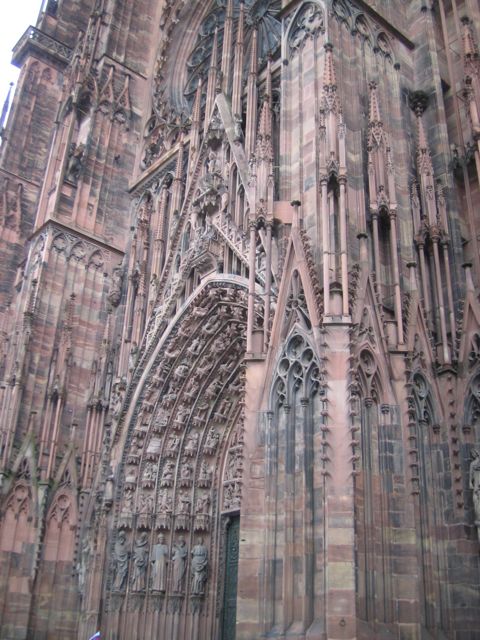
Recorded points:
(183, 461)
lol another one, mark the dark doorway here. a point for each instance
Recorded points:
(229, 617)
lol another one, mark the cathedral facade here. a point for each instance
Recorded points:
(240, 322)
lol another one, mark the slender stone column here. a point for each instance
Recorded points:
(441, 304)
(376, 245)
(326, 246)
(56, 429)
(396, 275)
(451, 311)
(251, 287)
(423, 276)
(343, 246)
(268, 287)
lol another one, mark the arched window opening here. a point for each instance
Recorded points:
(294, 442)
(433, 491)
(334, 227)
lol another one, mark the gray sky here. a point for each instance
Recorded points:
(16, 17)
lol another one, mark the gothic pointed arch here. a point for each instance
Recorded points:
(431, 488)
(299, 294)
(297, 452)
(181, 470)
(18, 537)
(375, 425)
(309, 19)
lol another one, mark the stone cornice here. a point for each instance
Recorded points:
(35, 42)
(71, 230)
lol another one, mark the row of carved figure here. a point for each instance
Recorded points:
(159, 560)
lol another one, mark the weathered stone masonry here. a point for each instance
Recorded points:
(240, 321)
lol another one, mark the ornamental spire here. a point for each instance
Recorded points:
(329, 77)
(264, 149)
(238, 65)
(374, 117)
(470, 50)
(6, 105)
(212, 78)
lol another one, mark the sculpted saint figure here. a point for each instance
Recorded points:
(167, 474)
(475, 484)
(159, 564)
(120, 562)
(140, 562)
(199, 568)
(192, 444)
(202, 505)
(179, 560)
(212, 440)
(205, 475)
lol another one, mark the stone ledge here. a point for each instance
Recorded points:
(39, 44)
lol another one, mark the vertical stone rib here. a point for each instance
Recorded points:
(212, 79)
(238, 65)
(227, 48)
(252, 99)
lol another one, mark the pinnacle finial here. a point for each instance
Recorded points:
(197, 104)
(374, 116)
(241, 25)
(329, 78)
(422, 136)
(214, 58)
(470, 50)
(254, 53)
(6, 105)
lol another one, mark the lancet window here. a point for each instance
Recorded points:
(296, 447)
(433, 487)
(374, 425)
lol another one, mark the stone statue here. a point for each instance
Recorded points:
(75, 161)
(205, 475)
(173, 444)
(179, 560)
(140, 562)
(238, 131)
(167, 475)
(150, 471)
(199, 568)
(202, 505)
(83, 564)
(211, 441)
(132, 358)
(184, 504)
(114, 294)
(145, 504)
(191, 447)
(474, 481)
(121, 556)
(159, 564)
(164, 504)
